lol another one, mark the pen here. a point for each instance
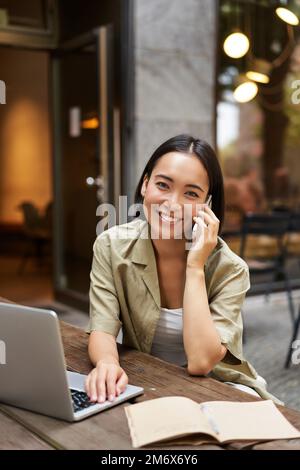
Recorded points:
(210, 419)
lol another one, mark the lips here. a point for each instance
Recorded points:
(167, 218)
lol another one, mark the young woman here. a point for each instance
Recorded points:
(176, 292)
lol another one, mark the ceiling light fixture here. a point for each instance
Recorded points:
(245, 91)
(289, 11)
(259, 71)
(236, 45)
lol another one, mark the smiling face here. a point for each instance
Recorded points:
(178, 183)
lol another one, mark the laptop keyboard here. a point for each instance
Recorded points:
(80, 400)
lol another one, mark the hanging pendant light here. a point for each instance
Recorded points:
(289, 11)
(236, 45)
(245, 91)
(259, 71)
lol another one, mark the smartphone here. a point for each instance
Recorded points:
(209, 204)
(209, 201)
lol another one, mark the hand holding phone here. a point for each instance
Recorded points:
(208, 203)
(204, 236)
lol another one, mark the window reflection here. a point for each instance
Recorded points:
(258, 141)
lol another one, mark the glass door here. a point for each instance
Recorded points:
(83, 154)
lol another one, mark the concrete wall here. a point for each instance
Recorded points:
(174, 72)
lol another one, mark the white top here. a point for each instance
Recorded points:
(168, 339)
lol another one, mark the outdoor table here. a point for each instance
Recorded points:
(108, 430)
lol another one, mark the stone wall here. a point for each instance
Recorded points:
(174, 73)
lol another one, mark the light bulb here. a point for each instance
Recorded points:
(257, 76)
(245, 92)
(287, 16)
(236, 45)
(259, 70)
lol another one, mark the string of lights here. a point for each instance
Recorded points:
(237, 45)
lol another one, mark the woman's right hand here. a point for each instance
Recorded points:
(106, 381)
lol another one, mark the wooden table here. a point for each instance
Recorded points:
(21, 429)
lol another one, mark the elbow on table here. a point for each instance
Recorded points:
(205, 366)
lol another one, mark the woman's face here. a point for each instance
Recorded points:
(178, 183)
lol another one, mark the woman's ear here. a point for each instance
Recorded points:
(144, 186)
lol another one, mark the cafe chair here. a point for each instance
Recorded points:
(37, 230)
(293, 242)
(275, 226)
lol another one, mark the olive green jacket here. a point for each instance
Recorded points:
(124, 292)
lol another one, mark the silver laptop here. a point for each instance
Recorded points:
(33, 371)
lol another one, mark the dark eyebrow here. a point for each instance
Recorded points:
(172, 181)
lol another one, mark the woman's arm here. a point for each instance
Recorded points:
(202, 342)
(107, 379)
(103, 346)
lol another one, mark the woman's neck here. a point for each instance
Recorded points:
(170, 249)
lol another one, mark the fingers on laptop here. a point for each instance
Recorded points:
(106, 381)
(122, 383)
(90, 386)
(116, 381)
(111, 381)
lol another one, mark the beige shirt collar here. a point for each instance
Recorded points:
(143, 254)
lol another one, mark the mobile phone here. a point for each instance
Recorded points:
(209, 201)
(209, 204)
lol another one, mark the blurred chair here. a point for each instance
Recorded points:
(276, 226)
(37, 230)
(293, 242)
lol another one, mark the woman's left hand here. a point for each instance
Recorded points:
(204, 239)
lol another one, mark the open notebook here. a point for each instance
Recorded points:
(183, 421)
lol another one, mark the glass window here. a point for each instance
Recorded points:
(258, 136)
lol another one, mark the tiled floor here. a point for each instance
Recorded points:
(33, 284)
(34, 287)
(267, 325)
(268, 331)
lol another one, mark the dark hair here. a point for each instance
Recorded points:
(185, 143)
